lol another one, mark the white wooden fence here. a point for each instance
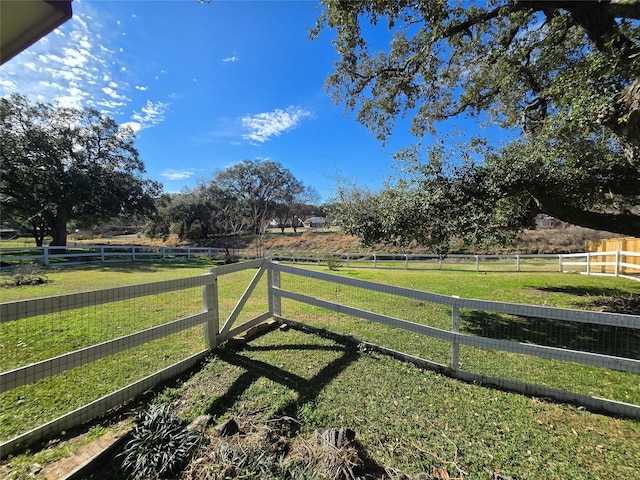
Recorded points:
(215, 333)
(74, 254)
(615, 263)
(208, 317)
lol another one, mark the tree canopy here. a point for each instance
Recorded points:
(59, 164)
(562, 76)
(262, 187)
(243, 197)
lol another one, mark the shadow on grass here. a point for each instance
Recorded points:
(602, 299)
(308, 389)
(605, 340)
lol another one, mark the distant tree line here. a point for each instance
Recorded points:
(244, 198)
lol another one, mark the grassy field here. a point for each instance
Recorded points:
(407, 419)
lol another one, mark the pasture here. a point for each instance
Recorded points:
(409, 420)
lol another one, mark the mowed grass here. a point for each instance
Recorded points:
(37, 338)
(549, 289)
(408, 419)
(45, 336)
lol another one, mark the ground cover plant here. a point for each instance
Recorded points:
(551, 289)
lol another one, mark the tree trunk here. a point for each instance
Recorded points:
(623, 118)
(625, 223)
(59, 232)
(38, 234)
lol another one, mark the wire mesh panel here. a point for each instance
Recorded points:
(570, 350)
(231, 289)
(32, 339)
(383, 303)
(606, 340)
(87, 352)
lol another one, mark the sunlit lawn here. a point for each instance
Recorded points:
(407, 412)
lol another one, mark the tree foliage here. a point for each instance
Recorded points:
(59, 164)
(244, 197)
(565, 74)
(261, 187)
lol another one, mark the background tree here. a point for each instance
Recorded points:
(245, 196)
(196, 214)
(258, 186)
(565, 73)
(292, 209)
(59, 164)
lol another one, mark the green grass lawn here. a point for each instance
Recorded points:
(549, 289)
(408, 419)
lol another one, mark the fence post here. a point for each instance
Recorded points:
(102, 254)
(617, 265)
(560, 267)
(348, 261)
(210, 305)
(588, 264)
(406, 261)
(455, 328)
(133, 254)
(440, 262)
(188, 253)
(46, 255)
(375, 261)
(518, 263)
(477, 263)
(275, 305)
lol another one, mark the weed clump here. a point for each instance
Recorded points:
(27, 274)
(161, 444)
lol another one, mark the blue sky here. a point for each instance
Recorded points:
(206, 85)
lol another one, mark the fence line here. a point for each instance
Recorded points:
(618, 263)
(456, 339)
(214, 334)
(208, 317)
(582, 316)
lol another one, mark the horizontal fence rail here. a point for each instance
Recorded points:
(226, 309)
(616, 263)
(457, 339)
(79, 254)
(208, 317)
(582, 316)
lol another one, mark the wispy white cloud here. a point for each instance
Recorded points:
(233, 58)
(149, 115)
(171, 174)
(263, 126)
(81, 65)
(65, 66)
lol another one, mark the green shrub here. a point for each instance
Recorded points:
(333, 262)
(161, 444)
